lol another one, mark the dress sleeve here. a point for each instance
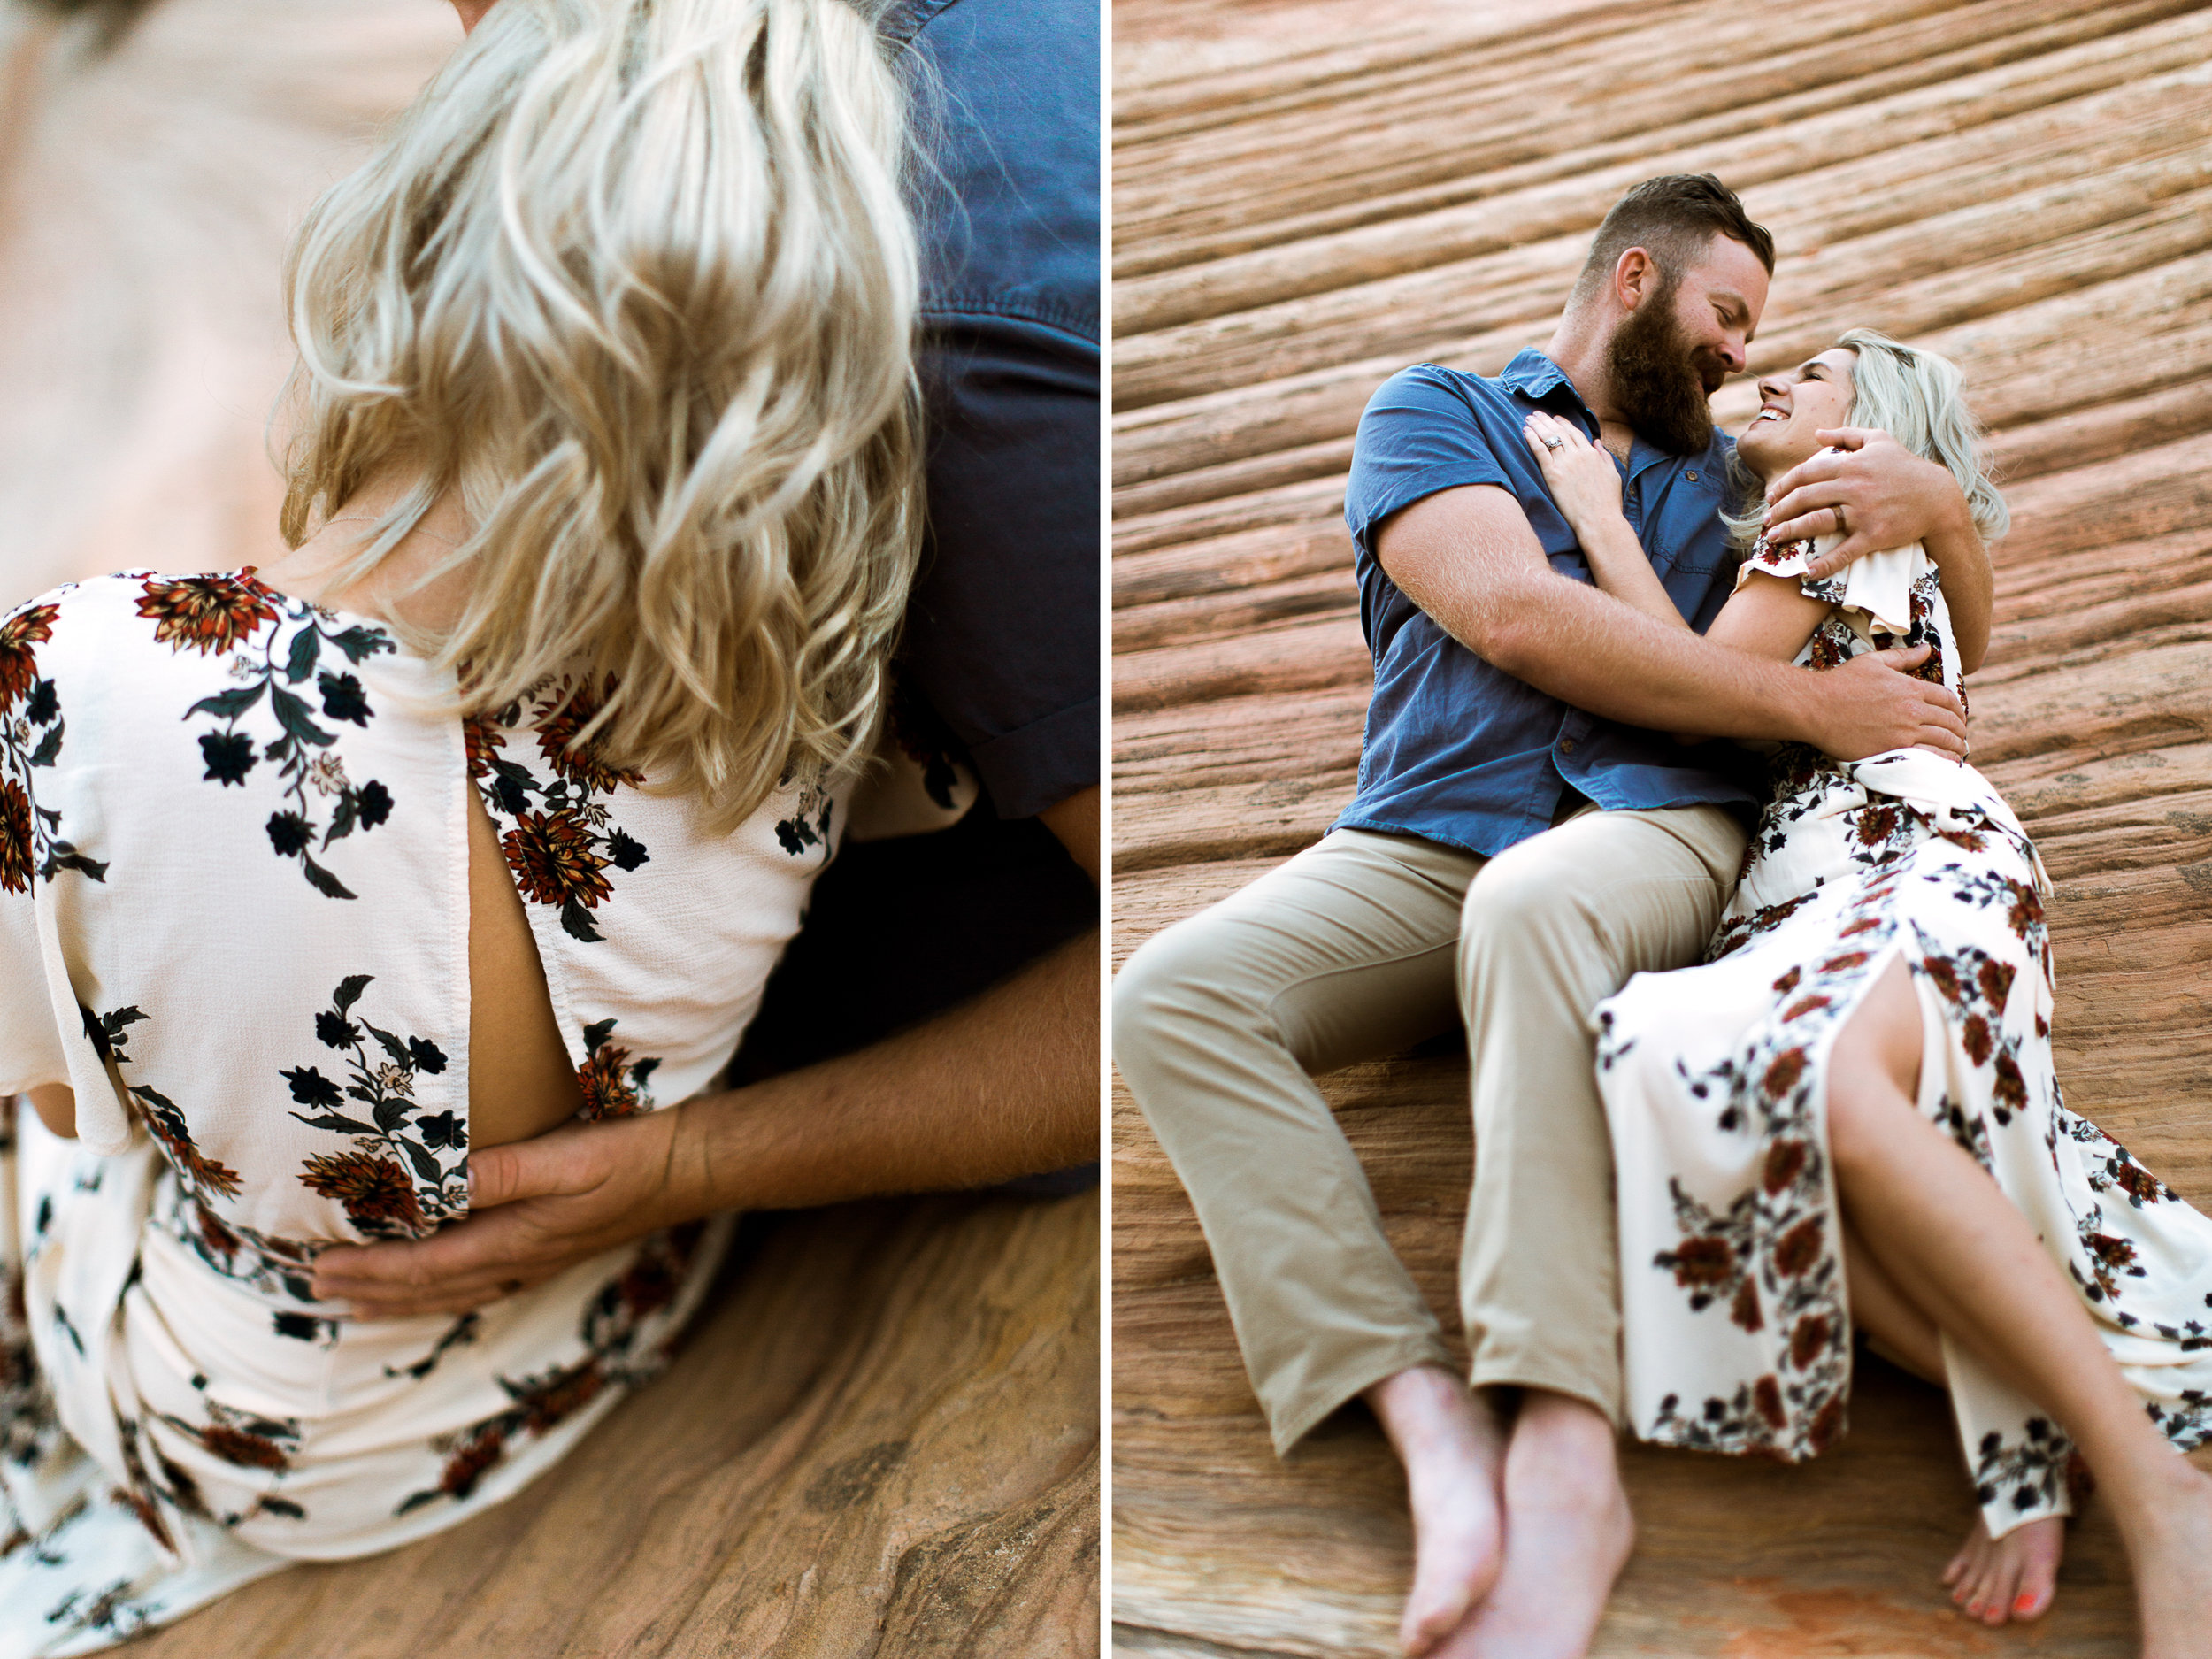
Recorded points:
(42, 1035)
(1876, 585)
(30, 1045)
(30, 1048)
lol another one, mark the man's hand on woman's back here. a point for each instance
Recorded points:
(1002, 1085)
(538, 1206)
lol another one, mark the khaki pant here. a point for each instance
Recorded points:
(1358, 947)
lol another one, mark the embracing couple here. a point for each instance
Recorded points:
(1759, 1031)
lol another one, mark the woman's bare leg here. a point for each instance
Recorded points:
(1956, 1247)
(1880, 1307)
(1992, 1579)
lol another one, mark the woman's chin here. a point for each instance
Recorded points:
(1769, 453)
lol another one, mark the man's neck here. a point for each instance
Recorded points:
(1580, 351)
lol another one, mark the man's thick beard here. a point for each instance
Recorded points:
(1656, 382)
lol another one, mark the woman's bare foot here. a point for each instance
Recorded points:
(2168, 1543)
(2013, 1576)
(1452, 1448)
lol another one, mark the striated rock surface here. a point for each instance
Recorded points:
(1308, 197)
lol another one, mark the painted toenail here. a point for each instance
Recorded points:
(2026, 1603)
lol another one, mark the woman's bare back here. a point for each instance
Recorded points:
(520, 1081)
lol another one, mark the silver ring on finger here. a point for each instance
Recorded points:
(1553, 443)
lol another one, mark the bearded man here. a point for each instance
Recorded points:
(1524, 838)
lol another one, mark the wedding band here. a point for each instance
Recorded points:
(1553, 443)
(1841, 528)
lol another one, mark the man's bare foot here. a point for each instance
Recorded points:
(2013, 1576)
(1568, 1532)
(2168, 1545)
(1451, 1446)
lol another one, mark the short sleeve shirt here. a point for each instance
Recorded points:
(1458, 750)
(1001, 635)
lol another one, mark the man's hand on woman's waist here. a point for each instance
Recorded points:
(1002, 1085)
(1875, 703)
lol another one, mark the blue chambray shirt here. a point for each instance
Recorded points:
(1002, 627)
(1459, 751)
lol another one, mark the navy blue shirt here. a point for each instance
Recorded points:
(1458, 750)
(1001, 634)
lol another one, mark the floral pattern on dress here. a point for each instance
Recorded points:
(160, 1492)
(1737, 1333)
(559, 837)
(203, 1176)
(614, 1321)
(393, 1183)
(216, 613)
(809, 825)
(278, 1269)
(2023, 1474)
(31, 843)
(613, 1083)
(275, 1426)
(29, 625)
(1772, 1256)
(207, 614)
(29, 1431)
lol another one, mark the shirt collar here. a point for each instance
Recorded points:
(1536, 376)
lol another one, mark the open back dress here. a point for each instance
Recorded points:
(1736, 1326)
(235, 919)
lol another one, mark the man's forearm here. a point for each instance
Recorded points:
(1005, 1084)
(1467, 557)
(1588, 650)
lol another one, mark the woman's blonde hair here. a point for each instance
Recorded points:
(1919, 399)
(638, 279)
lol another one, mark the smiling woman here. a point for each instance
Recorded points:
(1867, 1045)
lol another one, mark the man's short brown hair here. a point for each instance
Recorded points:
(1674, 219)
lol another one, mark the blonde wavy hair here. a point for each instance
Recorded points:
(637, 279)
(1919, 398)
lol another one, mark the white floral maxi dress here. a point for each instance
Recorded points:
(234, 918)
(1736, 1333)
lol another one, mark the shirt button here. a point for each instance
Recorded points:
(1692, 475)
(1566, 746)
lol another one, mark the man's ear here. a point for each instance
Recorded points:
(1635, 278)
